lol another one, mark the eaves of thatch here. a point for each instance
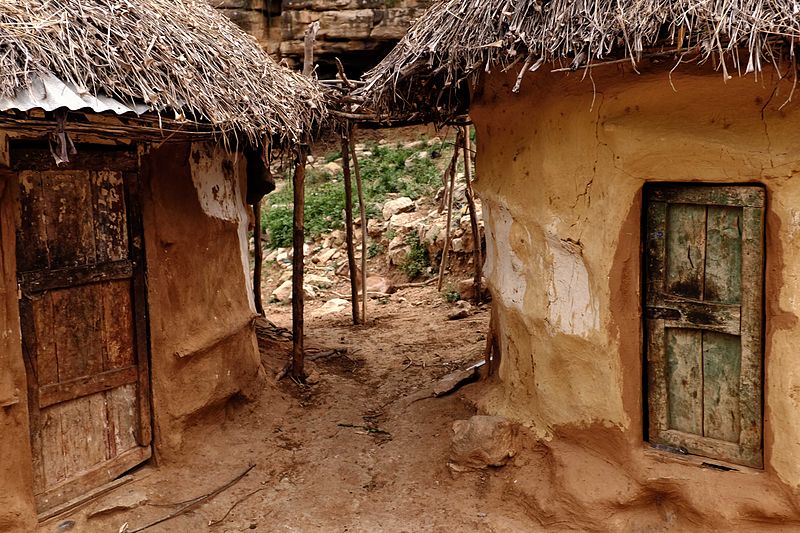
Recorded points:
(164, 65)
(457, 39)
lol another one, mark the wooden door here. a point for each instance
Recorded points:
(703, 283)
(82, 310)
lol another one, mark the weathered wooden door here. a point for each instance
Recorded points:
(704, 279)
(82, 310)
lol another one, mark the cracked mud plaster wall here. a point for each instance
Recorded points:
(560, 174)
(203, 346)
(17, 508)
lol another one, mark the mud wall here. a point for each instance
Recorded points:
(17, 508)
(561, 177)
(203, 347)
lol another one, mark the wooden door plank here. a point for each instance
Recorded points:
(37, 314)
(70, 231)
(83, 435)
(31, 224)
(86, 385)
(723, 276)
(140, 317)
(110, 219)
(656, 244)
(685, 380)
(117, 325)
(64, 278)
(656, 378)
(733, 195)
(683, 313)
(52, 453)
(123, 416)
(76, 322)
(752, 297)
(91, 478)
(721, 375)
(685, 250)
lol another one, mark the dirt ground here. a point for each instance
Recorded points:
(313, 471)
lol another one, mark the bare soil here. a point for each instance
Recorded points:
(347, 453)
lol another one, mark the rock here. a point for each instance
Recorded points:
(413, 145)
(482, 441)
(311, 379)
(457, 244)
(435, 141)
(378, 284)
(333, 168)
(317, 281)
(374, 228)
(466, 289)
(336, 305)
(325, 255)
(403, 204)
(120, 502)
(272, 255)
(284, 292)
(338, 237)
(463, 310)
(398, 255)
(310, 159)
(404, 223)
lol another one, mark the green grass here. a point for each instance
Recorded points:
(382, 173)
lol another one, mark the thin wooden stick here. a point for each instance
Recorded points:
(258, 255)
(477, 255)
(193, 503)
(298, 242)
(450, 195)
(363, 212)
(240, 500)
(348, 219)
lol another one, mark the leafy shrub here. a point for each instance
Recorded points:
(417, 259)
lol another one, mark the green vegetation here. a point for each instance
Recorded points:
(417, 259)
(383, 173)
(451, 294)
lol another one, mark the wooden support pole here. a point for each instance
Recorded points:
(258, 259)
(477, 252)
(297, 370)
(449, 195)
(363, 212)
(348, 220)
(298, 241)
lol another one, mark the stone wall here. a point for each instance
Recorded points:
(359, 32)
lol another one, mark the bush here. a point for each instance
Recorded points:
(417, 259)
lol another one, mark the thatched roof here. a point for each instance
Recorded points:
(457, 38)
(179, 59)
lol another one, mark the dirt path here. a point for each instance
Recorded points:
(315, 473)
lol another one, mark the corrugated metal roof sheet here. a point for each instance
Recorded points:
(49, 93)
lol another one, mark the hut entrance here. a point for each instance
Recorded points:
(82, 308)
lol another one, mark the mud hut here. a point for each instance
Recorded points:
(637, 165)
(126, 310)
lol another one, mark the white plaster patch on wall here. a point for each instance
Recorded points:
(216, 181)
(503, 268)
(572, 310)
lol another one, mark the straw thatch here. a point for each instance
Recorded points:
(179, 57)
(458, 38)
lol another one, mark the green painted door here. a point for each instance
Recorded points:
(704, 257)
